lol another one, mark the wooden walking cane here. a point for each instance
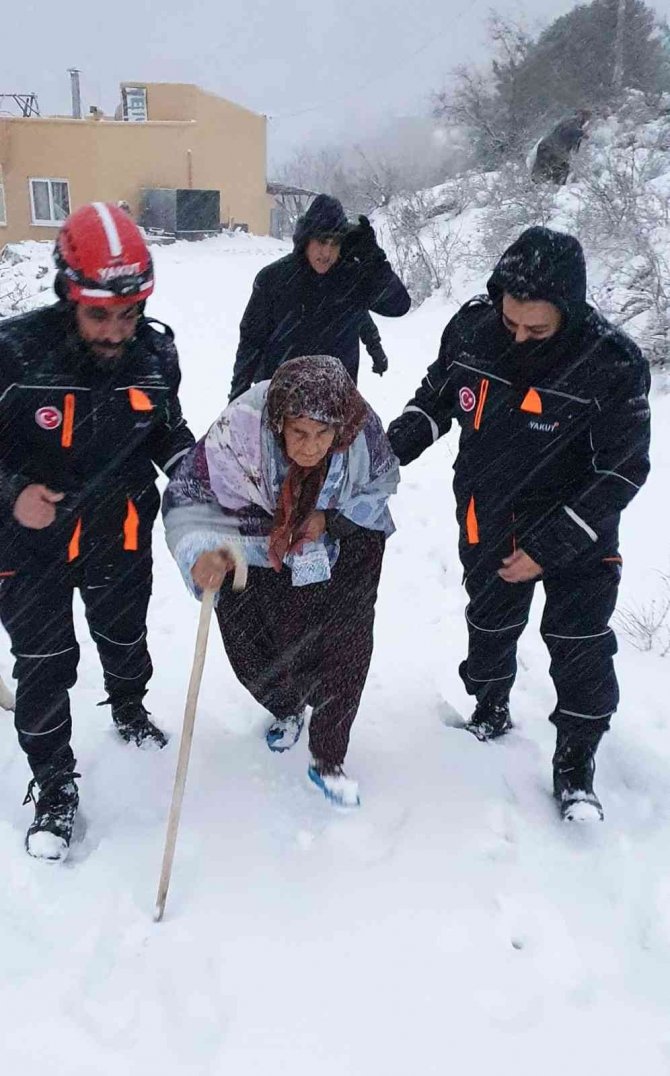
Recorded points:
(184, 750)
(239, 582)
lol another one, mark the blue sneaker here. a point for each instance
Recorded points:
(334, 783)
(284, 732)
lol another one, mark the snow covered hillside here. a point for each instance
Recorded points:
(453, 924)
(616, 200)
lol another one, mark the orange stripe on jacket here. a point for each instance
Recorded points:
(139, 401)
(483, 393)
(532, 402)
(131, 525)
(68, 420)
(73, 547)
(471, 524)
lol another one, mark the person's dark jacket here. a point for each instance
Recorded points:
(552, 158)
(295, 311)
(96, 435)
(554, 434)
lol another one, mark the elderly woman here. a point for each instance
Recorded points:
(295, 476)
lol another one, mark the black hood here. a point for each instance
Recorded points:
(542, 265)
(325, 217)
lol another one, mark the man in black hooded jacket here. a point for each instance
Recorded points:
(315, 300)
(552, 403)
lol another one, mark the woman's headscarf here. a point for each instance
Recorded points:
(316, 387)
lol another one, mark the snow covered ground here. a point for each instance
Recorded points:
(453, 924)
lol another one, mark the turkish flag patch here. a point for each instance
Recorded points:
(467, 399)
(49, 418)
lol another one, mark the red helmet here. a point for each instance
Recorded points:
(101, 257)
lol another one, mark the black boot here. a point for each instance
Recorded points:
(574, 767)
(132, 723)
(491, 719)
(50, 834)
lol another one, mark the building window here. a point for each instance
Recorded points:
(50, 200)
(3, 206)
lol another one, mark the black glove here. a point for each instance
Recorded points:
(360, 244)
(380, 363)
(410, 434)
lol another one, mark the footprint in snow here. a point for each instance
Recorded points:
(367, 841)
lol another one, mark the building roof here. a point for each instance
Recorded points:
(284, 188)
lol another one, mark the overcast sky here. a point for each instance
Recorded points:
(317, 69)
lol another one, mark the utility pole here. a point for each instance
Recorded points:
(617, 75)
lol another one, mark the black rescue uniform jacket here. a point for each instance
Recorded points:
(295, 311)
(96, 435)
(554, 435)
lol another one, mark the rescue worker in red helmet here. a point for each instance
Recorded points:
(89, 409)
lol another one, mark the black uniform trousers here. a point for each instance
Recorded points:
(293, 646)
(575, 627)
(36, 611)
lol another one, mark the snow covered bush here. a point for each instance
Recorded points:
(647, 627)
(422, 250)
(26, 272)
(617, 201)
(621, 213)
(515, 202)
(13, 294)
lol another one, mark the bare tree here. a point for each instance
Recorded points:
(490, 104)
(470, 102)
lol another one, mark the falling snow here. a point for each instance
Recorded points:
(451, 923)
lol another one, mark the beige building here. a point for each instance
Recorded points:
(165, 135)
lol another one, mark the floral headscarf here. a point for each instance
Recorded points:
(316, 387)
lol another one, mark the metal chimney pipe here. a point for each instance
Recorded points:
(76, 92)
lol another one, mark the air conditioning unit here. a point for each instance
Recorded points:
(183, 213)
